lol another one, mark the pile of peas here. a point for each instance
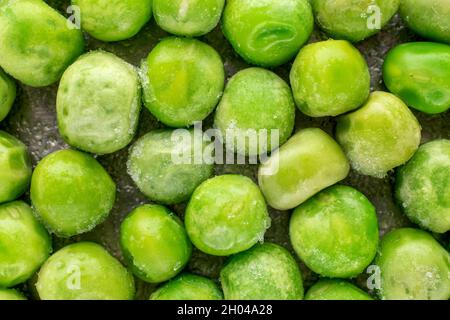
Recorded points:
(333, 228)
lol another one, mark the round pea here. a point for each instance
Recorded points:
(155, 243)
(24, 243)
(253, 92)
(188, 287)
(226, 215)
(309, 162)
(7, 94)
(268, 33)
(265, 272)
(71, 192)
(191, 18)
(182, 80)
(329, 78)
(381, 135)
(98, 103)
(423, 186)
(418, 73)
(38, 43)
(113, 20)
(336, 290)
(10, 294)
(84, 271)
(413, 266)
(15, 167)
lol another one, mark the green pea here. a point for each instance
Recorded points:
(226, 215)
(24, 244)
(265, 272)
(168, 165)
(15, 167)
(428, 18)
(71, 192)
(189, 18)
(98, 103)
(113, 20)
(84, 271)
(336, 290)
(11, 294)
(418, 73)
(413, 266)
(182, 80)
(7, 94)
(423, 186)
(155, 243)
(268, 33)
(335, 232)
(188, 287)
(329, 78)
(381, 135)
(353, 20)
(253, 92)
(309, 162)
(38, 43)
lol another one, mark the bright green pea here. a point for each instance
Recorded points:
(329, 78)
(335, 232)
(251, 92)
(353, 20)
(381, 135)
(84, 271)
(419, 74)
(98, 103)
(182, 80)
(11, 294)
(413, 266)
(155, 243)
(265, 272)
(71, 192)
(309, 162)
(113, 20)
(428, 18)
(226, 215)
(38, 43)
(15, 167)
(188, 287)
(24, 244)
(336, 290)
(268, 33)
(167, 165)
(423, 186)
(7, 94)
(191, 18)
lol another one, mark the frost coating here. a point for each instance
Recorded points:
(335, 290)
(7, 94)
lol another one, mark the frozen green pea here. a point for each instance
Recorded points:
(7, 94)
(98, 103)
(24, 243)
(113, 20)
(353, 20)
(413, 266)
(182, 80)
(38, 43)
(335, 232)
(11, 294)
(155, 243)
(268, 33)
(428, 18)
(419, 74)
(167, 165)
(190, 18)
(188, 287)
(381, 135)
(309, 162)
(329, 78)
(226, 215)
(423, 186)
(71, 192)
(15, 167)
(252, 92)
(265, 272)
(84, 271)
(336, 290)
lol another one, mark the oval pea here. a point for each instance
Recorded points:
(7, 94)
(331, 289)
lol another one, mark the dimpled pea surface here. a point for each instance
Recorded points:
(335, 290)
(10, 294)
(7, 94)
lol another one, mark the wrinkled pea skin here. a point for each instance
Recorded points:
(336, 290)
(419, 74)
(37, 44)
(7, 94)
(11, 294)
